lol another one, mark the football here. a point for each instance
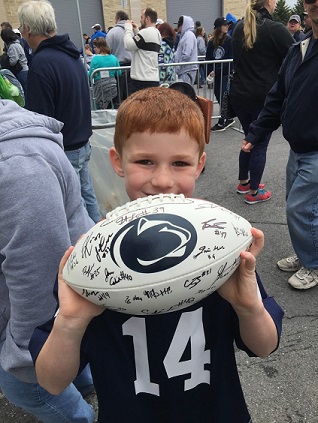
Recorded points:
(157, 254)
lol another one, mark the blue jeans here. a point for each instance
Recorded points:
(22, 78)
(252, 165)
(302, 206)
(80, 161)
(67, 407)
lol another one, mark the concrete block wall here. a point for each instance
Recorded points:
(236, 7)
(133, 8)
(8, 9)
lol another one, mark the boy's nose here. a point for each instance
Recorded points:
(162, 179)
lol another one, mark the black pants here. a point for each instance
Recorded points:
(140, 85)
(122, 85)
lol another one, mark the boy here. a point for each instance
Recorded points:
(175, 367)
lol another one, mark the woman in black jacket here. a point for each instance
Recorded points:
(259, 47)
(220, 48)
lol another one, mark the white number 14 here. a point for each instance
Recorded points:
(190, 328)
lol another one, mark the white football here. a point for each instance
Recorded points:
(157, 254)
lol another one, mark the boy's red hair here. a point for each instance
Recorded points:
(158, 110)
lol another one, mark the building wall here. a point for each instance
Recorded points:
(133, 8)
(236, 7)
(10, 7)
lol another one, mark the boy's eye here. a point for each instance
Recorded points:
(144, 162)
(180, 163)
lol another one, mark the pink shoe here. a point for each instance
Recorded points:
(245, 189)
(261, 196)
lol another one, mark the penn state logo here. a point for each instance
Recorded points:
(154, 243)
(219, 53)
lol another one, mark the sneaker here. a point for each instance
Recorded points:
(304, 278)
(228, 123)
(218, 127)
(261, 196)
(245, 189)
(289, 264)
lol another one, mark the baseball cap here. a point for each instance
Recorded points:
(159, 21)
(180, 21)
(294, 18)
(16, 31)
(220, 21)
(96, 26)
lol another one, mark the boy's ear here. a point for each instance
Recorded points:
(116, 162)
(201, 164)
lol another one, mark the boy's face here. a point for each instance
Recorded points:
(158, 163)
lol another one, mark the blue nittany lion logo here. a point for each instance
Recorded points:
(154, 243)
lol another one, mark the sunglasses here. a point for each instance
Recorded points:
(310, 1)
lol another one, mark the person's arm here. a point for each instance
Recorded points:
(43, 101)
(13, 53)
(282, 39)
(257, 328)
(201, 46)
(130, 33)
(92, 67)
(209, 56)
(187, 48)
(110, 40)
(59, 359)
(118, 72)
(34, 235)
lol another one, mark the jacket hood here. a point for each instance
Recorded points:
(169, 41)
(60, 42)
(231, 18)
(121, 24)
(16, 122)
(188, 24)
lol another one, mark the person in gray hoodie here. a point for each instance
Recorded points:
(187, 50)
(115, 41)
(41, 215)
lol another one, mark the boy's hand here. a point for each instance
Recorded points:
(73, 305)
(241, 289)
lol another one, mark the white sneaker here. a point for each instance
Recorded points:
(289, 264)
(304, 278)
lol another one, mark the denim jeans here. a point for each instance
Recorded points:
(252, 165)
(80, 161)
(302, 206)
(67, 407)
(22, 78)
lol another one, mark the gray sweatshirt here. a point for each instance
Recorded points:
(16, 54)
(41, 215)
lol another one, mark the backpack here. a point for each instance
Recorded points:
(10, 90)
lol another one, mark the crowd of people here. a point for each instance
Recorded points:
(51, 360)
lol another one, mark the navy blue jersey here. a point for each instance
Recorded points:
(175, 367)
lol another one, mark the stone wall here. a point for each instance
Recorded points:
(133, 8)
(236, 7)
(10, 15)
(8, 9)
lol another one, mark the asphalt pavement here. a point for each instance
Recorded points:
(282, 388)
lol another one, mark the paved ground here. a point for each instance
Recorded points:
(284, 387)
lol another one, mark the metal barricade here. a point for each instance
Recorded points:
(212, 88)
